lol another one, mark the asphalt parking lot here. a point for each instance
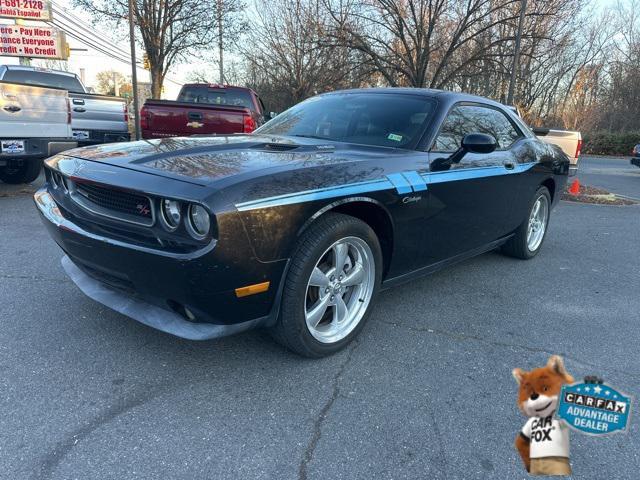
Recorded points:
(425, 392)
(614, 174)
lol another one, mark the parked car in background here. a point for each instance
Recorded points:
(94, 118)
(298, 226)
(35, 123)
(203, 109)
(569, 141)
(636, 156)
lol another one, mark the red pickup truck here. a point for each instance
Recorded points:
(203, 109)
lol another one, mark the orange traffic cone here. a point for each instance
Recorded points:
(574, 189)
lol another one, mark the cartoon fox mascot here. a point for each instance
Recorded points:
(543, 442)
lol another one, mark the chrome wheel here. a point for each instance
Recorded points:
(339, 289)
(537, 223)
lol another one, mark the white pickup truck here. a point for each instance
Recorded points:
(35, 123)
(94, 118)
(569, 141)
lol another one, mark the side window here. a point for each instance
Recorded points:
(465, 119)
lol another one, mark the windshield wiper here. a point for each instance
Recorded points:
(310, 136)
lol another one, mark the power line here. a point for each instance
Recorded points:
(90, 30)
(77, 32)
(86, 34)
(79, 36)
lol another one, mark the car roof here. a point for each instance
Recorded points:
(446, 95)
(39, 69)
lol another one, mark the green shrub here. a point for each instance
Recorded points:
(607, 143)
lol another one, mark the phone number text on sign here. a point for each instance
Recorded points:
(27, 9)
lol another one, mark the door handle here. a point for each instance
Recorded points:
(195, 116)
(78, 101)
(79, 109)
(12, 108)
(509, 165)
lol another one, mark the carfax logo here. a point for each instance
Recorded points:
(553, 404)
(595, 409)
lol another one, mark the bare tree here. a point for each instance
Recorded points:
(287, 55)
(420, 43)
(619, 100)
(169, 30)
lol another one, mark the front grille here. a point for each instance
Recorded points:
(111, 202)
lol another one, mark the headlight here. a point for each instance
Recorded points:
(170, 214)
(199, 221)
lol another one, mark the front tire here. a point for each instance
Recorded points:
(330, 287)
(24, 171)
(528, 238)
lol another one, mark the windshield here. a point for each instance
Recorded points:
(380, 119)
(44, 79)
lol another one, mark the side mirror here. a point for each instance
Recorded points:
(479, 143)
(471, 143)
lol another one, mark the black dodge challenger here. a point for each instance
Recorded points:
(298, 226)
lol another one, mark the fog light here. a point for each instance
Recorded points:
(199, 221)
(170, 214)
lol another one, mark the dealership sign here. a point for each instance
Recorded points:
(27, 9)
(32, 41)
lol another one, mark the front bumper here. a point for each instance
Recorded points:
(147, 313)
(635, 161)
(157, 288)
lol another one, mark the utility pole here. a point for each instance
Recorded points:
(516, 52)
(220, 46)
(116, 87)
(23, 60)
(134, 73)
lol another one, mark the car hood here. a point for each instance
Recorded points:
(203, 160)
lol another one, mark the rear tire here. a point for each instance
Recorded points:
(330, 287)
(530, 235)
(24, 171)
